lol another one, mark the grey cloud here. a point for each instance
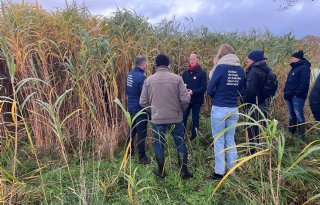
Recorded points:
(222, 15)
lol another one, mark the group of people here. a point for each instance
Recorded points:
(171, 97)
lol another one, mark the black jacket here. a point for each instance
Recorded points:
(256, 77)
(197, 82)
(298, 80)
(314, 97)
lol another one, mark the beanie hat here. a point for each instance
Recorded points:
(298, 54)
(256, 55)
(162, 59)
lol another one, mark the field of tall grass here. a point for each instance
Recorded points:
(62, 129)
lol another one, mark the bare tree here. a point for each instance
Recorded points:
(289, 3)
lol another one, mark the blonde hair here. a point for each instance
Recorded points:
(223, 50)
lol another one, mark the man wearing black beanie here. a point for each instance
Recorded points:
(296, 91)
(256, 76)
(168, 97)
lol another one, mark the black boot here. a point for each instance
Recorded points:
(292, 126)
(160, 172)
(301, 130)
(215, 176)
(183, 164)
(144, 160)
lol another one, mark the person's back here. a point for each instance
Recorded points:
(167, 96)
(134, 83)
(255, 81)
(229, 86)
(314, 99)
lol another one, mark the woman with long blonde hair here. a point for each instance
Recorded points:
(224, 88)
(223, 50)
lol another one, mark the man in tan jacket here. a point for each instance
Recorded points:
(168, 97)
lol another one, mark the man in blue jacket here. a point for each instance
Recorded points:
(296, 91)
(196, 81)
(134, 84)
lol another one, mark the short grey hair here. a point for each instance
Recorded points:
(139, 59)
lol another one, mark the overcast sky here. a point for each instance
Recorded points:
(218, 15)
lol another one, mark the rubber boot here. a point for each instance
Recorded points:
(160, 172)
(183, 164)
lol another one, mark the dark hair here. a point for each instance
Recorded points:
(139, 59)
(162, 59)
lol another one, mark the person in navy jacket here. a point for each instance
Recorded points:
(225, 88)
(195, 79)
(314, 99)
(296, 92)
(134, 84)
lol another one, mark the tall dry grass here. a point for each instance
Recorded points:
(62, 70)
(70, 49)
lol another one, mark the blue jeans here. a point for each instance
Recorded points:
(224, 145)
(159, 131)
(295, 108)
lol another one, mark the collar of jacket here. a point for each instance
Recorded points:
(162, 68)
(229, 59)
(139, 69)
(262, 65)
(300, 62)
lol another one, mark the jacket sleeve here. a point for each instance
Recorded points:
(142, 79)
(304, 83)
(183, 95)
(214, 81)
(202, 89)
(251, 87)
(242, 85)
(144, 98)
(315, 92)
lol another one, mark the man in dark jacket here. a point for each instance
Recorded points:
(196, 81)
(135, 80)
(314, 99)
(296, 91)
(255, 80)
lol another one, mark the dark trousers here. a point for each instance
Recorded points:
(195, 117)
(139, 126)
(177, 131)
(254, 131)
(296, 114)
(315, 108)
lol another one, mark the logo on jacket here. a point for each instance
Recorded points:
(194, 78)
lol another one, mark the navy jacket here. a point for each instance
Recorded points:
(197, 82)
(298, 80)
(255, 81)
(134, 83)
(226, 85)
(314, 97)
